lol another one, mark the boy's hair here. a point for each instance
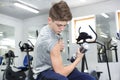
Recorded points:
(60, 12)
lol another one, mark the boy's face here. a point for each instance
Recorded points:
(57, 26)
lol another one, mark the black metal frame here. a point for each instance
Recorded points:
(84, 58)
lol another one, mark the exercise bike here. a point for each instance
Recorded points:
(24, 72)
(28, 47)
(9, 73)
(81, 40)
(1, 58)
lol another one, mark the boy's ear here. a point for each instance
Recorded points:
(49, 20)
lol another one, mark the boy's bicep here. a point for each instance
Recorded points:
(56, 58)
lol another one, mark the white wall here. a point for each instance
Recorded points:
(36, 22)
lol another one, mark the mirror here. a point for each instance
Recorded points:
(106, 30)
(7, 38)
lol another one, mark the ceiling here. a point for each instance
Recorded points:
(7, 7)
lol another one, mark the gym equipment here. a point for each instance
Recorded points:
(101, 54)
(83, 49)
(114, 47)
(9, 74)
(118, 35)
(26, 47)
(1, 58)
(37, 33)
(82, 38)
(25, 63)
(111, 46)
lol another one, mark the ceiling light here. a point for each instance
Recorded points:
(20, 1)
(26, 7)
(104, 15)
(83, 0)
(1, 33)
(104, 36)
(8, 42)
(3, 47)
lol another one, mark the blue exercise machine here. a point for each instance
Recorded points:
(10, 74)
(1, 58)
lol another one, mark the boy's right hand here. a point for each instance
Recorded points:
(79, 54)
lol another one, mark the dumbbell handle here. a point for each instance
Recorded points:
(82, 49)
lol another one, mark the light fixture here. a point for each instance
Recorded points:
(8, 42)
(1, 33)
(3, 47)
(104, 15)
(105, 36)
(26, 3)
(83, 0)
(26, 7)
